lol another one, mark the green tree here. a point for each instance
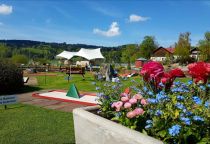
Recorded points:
(204, 46)
(3, 50)
(20, 59)
(147, 46)
(182, 47)
(129, 54)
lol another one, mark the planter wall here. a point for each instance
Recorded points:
(93, 129)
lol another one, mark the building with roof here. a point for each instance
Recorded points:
(140, 62)
(161, 54)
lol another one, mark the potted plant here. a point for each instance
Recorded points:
(154, 110)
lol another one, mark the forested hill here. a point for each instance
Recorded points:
(29, 43)
(37, 50)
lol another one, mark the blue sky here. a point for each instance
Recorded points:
(104, 23)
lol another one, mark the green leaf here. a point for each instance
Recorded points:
(162, 133)
(144, 132)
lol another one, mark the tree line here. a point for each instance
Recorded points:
(22, 51)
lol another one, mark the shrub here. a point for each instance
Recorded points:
(11, 78)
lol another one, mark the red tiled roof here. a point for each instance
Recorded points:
(171, 50)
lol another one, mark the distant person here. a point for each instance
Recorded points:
(90, 65)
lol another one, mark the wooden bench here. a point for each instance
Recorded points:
(76, 70)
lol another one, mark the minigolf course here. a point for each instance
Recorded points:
(72, 96)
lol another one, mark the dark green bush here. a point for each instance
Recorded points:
(11, 78)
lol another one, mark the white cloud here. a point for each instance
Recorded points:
(113, 30)
(5, 9)
(1, 23)
(137, 18)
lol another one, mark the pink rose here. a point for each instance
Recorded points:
(113, 104)
(143, 101)
(133, 101)
(131, 114)
(127, 105)
(138, 96)
(138, 111)
(118, 105)
(124, 99)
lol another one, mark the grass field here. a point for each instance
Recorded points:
(59, 82)
(25, 124)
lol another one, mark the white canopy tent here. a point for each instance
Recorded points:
(89, 54)
(66, 54)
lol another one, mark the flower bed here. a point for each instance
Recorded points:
(171, 111)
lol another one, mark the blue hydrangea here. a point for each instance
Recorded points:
(179, 97)
(180, 106)
(148, 126)
(149, 122)
(197, 100)
(177, 83)
(188, 113)
(161, 96)
(150, 93)
(152, 100)
(174, 130)
(158, 113)
(202, 87)
(145, 89)
(190, 82)
(206, 104)
(208, 85)
(198, 118)
(185, 120)
(97, 88)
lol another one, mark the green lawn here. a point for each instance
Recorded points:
(59, 82)
(25, 124)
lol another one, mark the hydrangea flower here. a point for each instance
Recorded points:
(197, 100)
(152, 100)
(180, 106)
(150, 93)
(174, 130)
(148, 126)
(158, 113)
(97, 88)
(198, 118)
(185, 120)
(190, 82)
(202, 87)
(179, 97)
(206, 104)
(149, 122)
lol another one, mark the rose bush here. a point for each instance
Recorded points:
(169, 110)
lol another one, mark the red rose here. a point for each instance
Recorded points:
(177, 73)
(200, 71)
(152, 70)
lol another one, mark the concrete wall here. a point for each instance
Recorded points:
(93, 129)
